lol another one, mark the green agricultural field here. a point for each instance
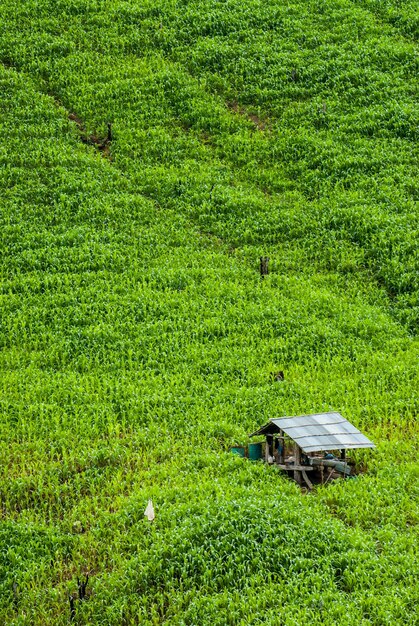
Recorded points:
(138, 339)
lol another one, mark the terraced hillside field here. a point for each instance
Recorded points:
(138, 340)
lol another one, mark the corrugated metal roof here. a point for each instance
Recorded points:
(318, 432)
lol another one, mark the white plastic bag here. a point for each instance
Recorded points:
(149, 512)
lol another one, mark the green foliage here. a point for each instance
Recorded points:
(138, 341)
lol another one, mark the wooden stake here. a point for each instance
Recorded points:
(82, 587)
(263, 268)
(72, 609)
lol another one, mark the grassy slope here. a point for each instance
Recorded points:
(138, 340)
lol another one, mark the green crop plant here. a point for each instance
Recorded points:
(138, 340)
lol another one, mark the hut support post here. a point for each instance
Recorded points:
(297, 461)
(281, 455)
(306, 478)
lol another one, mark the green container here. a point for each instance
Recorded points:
(255, 451)
(238, 451)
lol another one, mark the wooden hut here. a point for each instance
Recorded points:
(304, 445)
